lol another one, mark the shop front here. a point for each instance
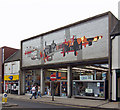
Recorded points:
(11, 84)
(60, 85)
(78, 48)
(89, 89)
(118, 85)
(32, 77)
(12, 74)
(91, 82)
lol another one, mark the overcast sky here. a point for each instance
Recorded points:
(21, 19)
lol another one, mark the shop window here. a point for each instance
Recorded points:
(89, 88)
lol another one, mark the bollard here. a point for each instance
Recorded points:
(4, 98)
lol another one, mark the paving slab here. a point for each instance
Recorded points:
(69, 101)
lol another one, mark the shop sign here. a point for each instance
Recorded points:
(11, 77)
(86, 77)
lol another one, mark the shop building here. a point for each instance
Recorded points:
(5, 52)
(115, 67)
(78, 54)
(12, 74)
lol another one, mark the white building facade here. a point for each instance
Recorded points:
(11, 75)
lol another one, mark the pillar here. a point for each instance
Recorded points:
(114, 85)
(4, 86)
(69, 81)
(95, 75)
(19, 85)
(22, 83)
(42, 84)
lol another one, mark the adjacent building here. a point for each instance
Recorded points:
(115, 63)
(5, 52)
(12, 74)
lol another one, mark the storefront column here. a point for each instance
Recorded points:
(69, 81)
(22, 83)
(42, 82)
(94, 75)
(4, 86)
(114, 85)
(19, 86)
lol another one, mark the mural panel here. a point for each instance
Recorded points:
(84, 41)
(31, 54)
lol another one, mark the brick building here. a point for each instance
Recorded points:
(5, 52)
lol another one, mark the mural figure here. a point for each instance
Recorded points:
(75, 44)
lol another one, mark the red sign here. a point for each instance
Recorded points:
(53, 77)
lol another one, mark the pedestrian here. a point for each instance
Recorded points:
(49, 92)
(39, 92)
(33, 92)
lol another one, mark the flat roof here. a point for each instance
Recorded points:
(82, 21)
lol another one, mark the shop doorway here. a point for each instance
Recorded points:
(12, 87)
(118, 85)
(59, 86)
(119, 88)
(64, 88)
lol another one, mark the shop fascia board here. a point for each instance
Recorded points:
(80, 69)
(56, 70)
(97, 68)
(65, 70)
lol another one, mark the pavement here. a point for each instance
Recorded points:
(67, 101)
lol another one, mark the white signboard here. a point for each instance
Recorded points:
(89, 90)
(86, 77)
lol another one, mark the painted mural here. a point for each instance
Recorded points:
(68, 46)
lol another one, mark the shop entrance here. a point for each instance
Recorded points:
(12, 87)
(119, 88)
(118, 85)
(59, 86)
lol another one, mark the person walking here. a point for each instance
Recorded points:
(33, 92)
(39, 92)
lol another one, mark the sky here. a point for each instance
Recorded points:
(22, 19)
